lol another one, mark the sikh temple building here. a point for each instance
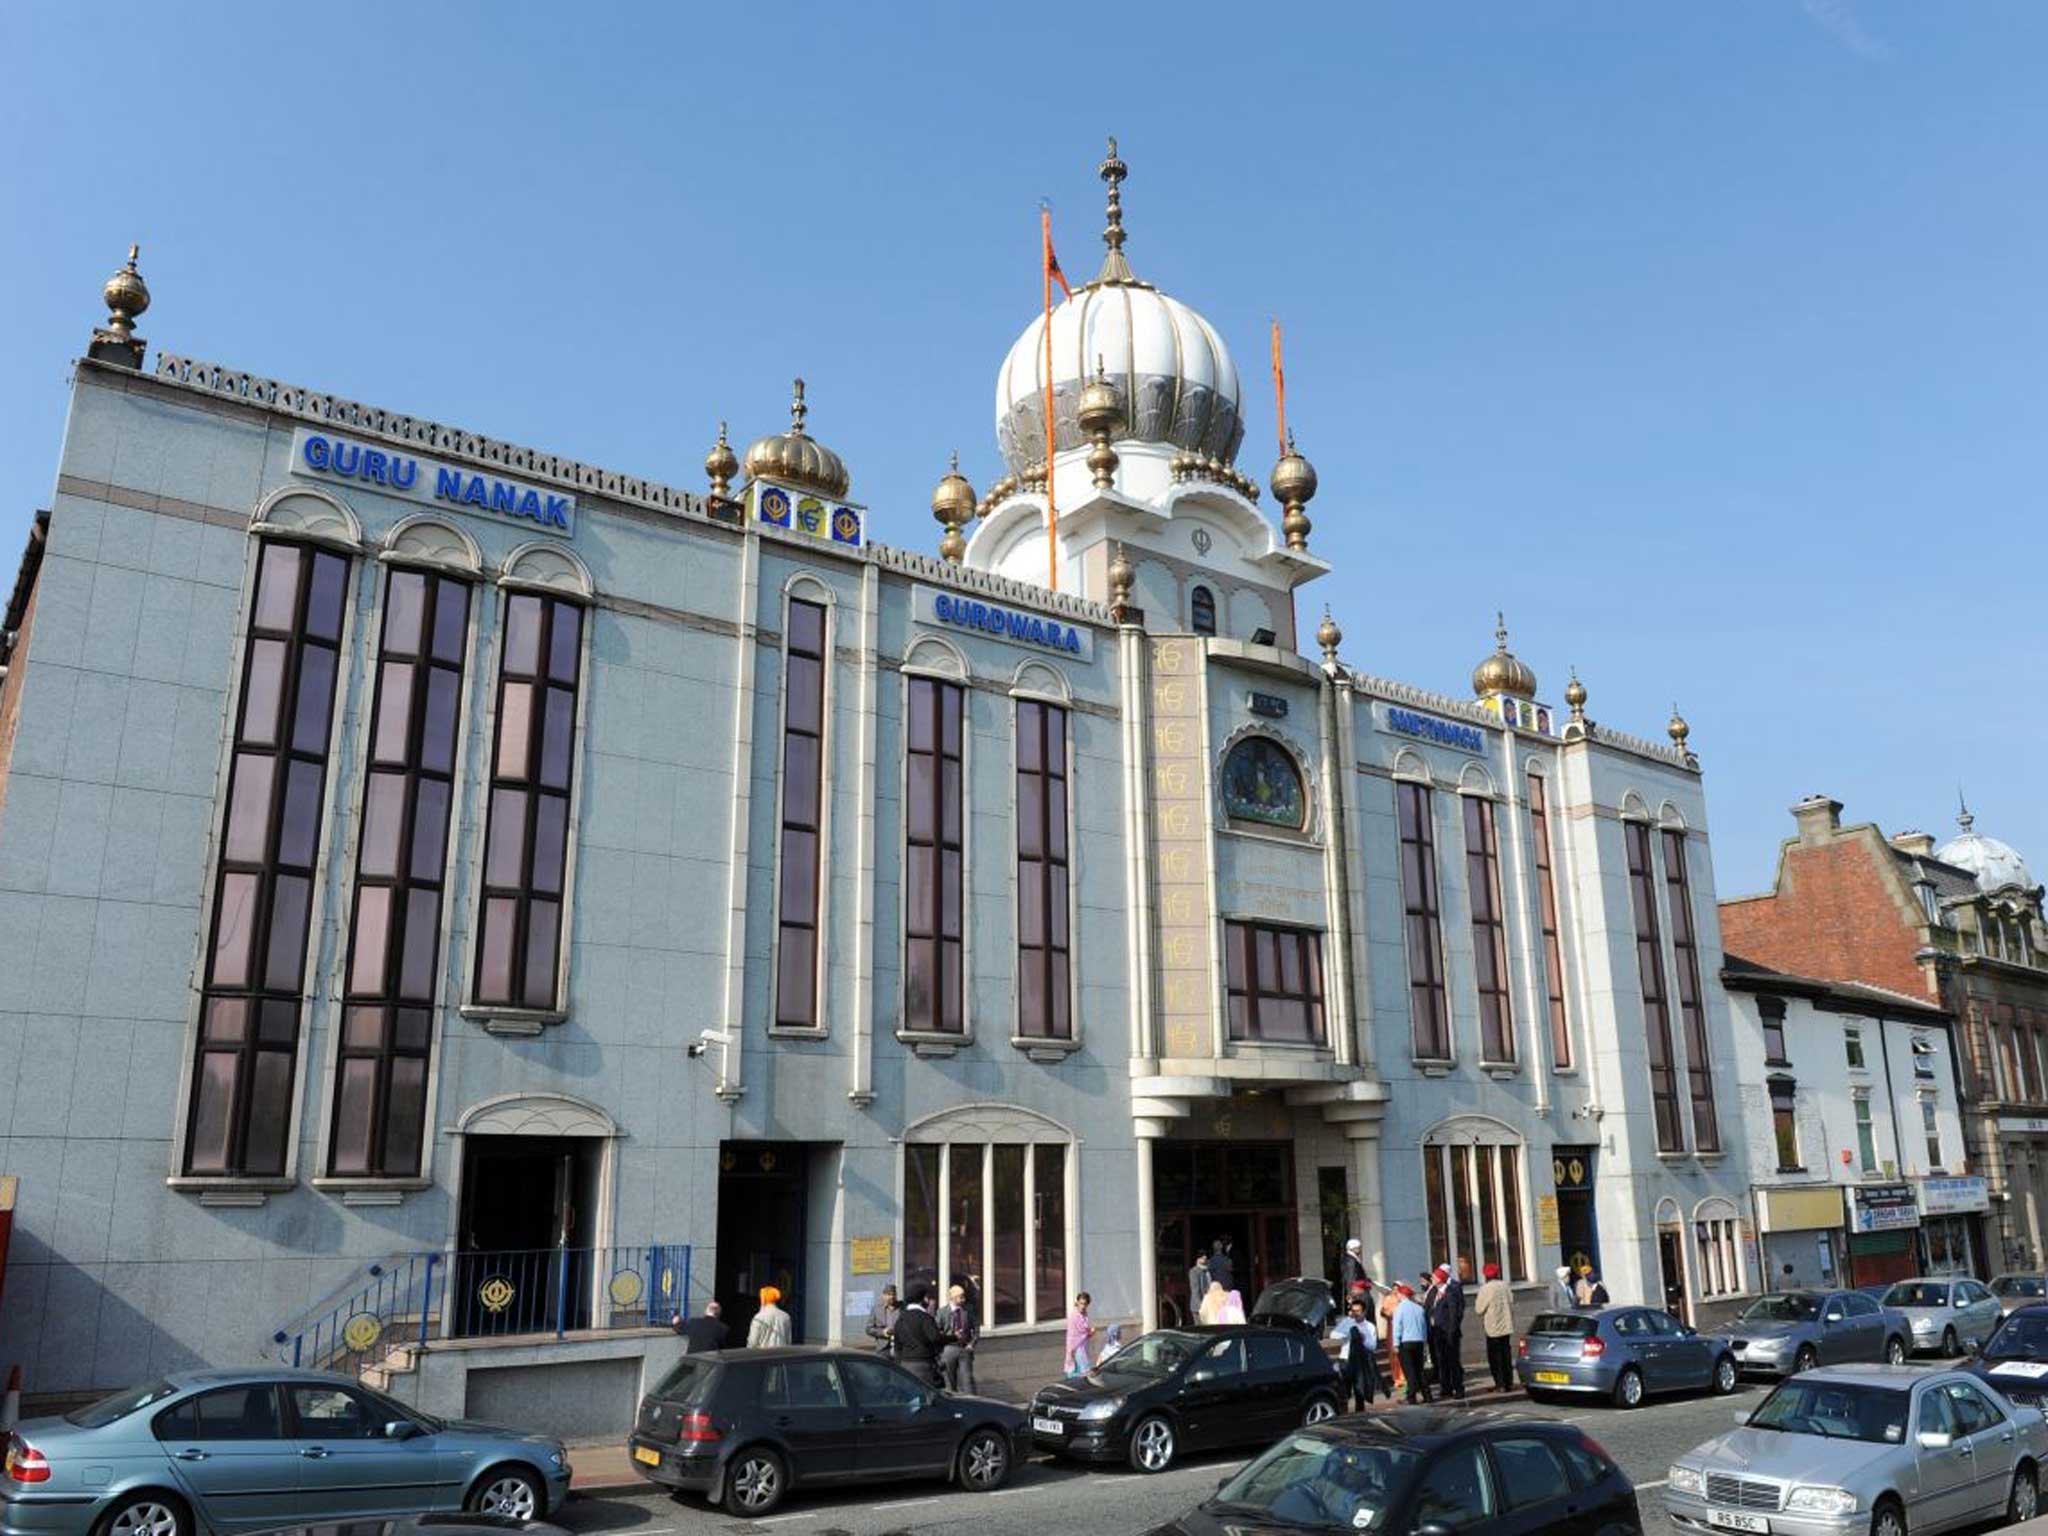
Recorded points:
(459, 892)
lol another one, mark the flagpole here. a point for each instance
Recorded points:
(1052, 511)
(1280, 389)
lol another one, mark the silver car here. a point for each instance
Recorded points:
(1786, 1332)
(1880, 1448)
(2017, 1290)
(227, 1451)
(1946, 1313)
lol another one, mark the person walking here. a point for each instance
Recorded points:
(1352, 1280)
(916, 1339)
(770, 1328)
(958, 1329)
(1495, 1305)
(1358, 1355)
(882, 1322)
(1411, 1338)
(1214, 1300)
(1080, 1334)
(705, 1333)
(1426, 1289)
(1448, 1316)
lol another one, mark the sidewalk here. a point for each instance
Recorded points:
(605, 1466)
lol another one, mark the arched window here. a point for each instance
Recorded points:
(1472, 1192)
(1261, 783)
(1202, 611)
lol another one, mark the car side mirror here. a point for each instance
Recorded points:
(1831, 1319)
(1223, 1482)
(1935, 1440)
(400, 1429)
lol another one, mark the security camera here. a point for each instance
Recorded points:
(705, 1040)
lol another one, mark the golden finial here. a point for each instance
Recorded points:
(1678, 728)
(1503, 671)
(127, 296)
(1121, 575)
(1100, 411)
(1329, 637)
(1114, 268)
(798, 410)
(721, 464)
(1294, 486)
(1575, 696)
(953, 504)
(796, 458)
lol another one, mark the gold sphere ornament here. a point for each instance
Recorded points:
(1503, 671)
(1121, 574)
(1100, 412)
(721, 464)
(1678, 728)
(1294, 486)
(954, 503)
(1329, 636)
(127, 296)
(1575, 696)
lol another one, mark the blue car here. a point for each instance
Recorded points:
(1622, 1354)
(206, 1453)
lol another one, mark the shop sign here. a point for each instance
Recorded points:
(998, 621)
(1882, 1207)
(1447, 733)
(1954, 1197)
(1815, 1208)
(324, 456)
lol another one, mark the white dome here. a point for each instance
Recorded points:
(1995, 865)
(1176, 378)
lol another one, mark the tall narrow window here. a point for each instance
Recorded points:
(1489, 932)
(803, 775)
(1770, 1013)
(1546, 897)
(1426, 1006)
(1866, 1136)
(933, 987)
(263, 892)
(518, 958)
(1852, 1045)
(1692, 1004)
(1785, 1122)
(387, 1031)
(1202, 611)
(1044, 988)
(1642, 884)
(1274, 979)
(1931, 1128)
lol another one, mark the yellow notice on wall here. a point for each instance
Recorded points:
(870, 1256)
(1547, 1230)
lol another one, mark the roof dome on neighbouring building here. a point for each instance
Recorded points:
(1167, 364)
(1996, 865)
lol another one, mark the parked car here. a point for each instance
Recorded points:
(1622, 1353)
(247, 1450)
(1948, 1313)
(1477, 1472)
(745, 1426)
(2017, 1290)
(1789, 1331)
(1190, 1389)
(1880, 1448)
(2015, 1358)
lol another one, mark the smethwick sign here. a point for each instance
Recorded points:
(998, 621)
(1449, 733)
(326, 456)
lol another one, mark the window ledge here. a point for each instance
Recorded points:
(1794, 1168)
(1280, 1045)
(1712, 1159)
(933, 1043)
(234, 1193)
(512, 1021)
(797, 1032)
(1044, 1048)
(1779, 1061)
(367, 1191)
(1434, 1066)
(1500, 1069)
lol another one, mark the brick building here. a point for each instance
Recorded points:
(1960, 926)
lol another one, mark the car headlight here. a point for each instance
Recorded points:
(1820, 1501)
(558, 1458)
(1101, 1408)
(1686, 1479)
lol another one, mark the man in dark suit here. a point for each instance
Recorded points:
(1447, 1323)
(701, 1334)
(918, 1340)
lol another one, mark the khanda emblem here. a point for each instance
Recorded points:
(810, 515)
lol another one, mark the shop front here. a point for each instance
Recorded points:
(1952, 1215)
(1800, 1232)
(1884, 1225)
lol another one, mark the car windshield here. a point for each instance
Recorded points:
(2023, 1336)
(1565, 1325)
(1791, 1307)
(1835, 1410)
(104, 1412)
(1917, 1293)
(2018, 1285)
(1309, 1483)
(1156, 1354)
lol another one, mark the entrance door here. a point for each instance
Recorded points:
(1242, 1191)
(523, 1244)
(1671, 1259)
(1571, 1171)
(761, 1194)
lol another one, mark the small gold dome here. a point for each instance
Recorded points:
(127, 295)
(1678, 728)
(721, 464)
(954, 502)
(1503, 671)
(1329, 636)
(1294, 478)
(797, 459)
(1575, 692)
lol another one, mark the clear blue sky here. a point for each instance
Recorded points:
(1706, 339)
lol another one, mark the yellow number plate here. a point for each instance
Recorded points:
(652, 1458)
(1558, 1377)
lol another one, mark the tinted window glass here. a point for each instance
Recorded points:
(120, 1405)
(1974, 1411)
(182, 1422)
(1564, 1325)
(1663, 1324)
(1917, 1293)
(1529, 1473)
(232, 1413)
(1860, 1306)
(802, 1384)
(1587, 1464)
(1456, 1490)
(1936, 1418)
(332, 1413)
(881, 1386)
(1268, 1353)
(1223, 1358)
(686, 1383)
(1632, 1325)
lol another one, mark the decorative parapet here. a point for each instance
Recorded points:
(1002, 588)
(1437, 703)
(1607, 736)
(430, 436)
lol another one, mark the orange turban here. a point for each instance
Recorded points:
(770, 1295)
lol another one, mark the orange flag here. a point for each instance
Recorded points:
(1052, 513)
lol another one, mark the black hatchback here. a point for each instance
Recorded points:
(1428, 1472)
(745, 1426)
(1196, 1389)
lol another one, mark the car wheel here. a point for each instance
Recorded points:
(511, 1493)
(146, 1514)
(1725, 1378)
(1805, 1360)
(1894, 1350)
(1949, 1346)
(1153, 1444)
(984, 1461)
(1628, 1388)
(1888, 1519)
(1320, 1407)
(2024, 1502)
(755, 1482)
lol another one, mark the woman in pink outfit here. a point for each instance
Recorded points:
(1080, 1333)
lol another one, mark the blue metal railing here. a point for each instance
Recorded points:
(413, 1298)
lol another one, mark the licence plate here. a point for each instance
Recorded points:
(1048, 1426)
(642, 1453)
(1728, 1522)
(1559, 1378)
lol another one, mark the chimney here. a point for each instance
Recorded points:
(1915, 843)
(1819, 818)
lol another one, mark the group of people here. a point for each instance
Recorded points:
(1424, 1327)
(934, 1343)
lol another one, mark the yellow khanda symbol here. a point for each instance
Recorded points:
(362, 1331)
(625, 1287)
(495, 1293)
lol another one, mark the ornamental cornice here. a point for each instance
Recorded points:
(1005, 589)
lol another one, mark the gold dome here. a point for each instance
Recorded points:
(797, 459)
(720, 464)
(1503, 671)
(1575, 692)
(1100, 408)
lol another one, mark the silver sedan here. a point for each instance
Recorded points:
(1946, 1314)
(1880, 1448)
